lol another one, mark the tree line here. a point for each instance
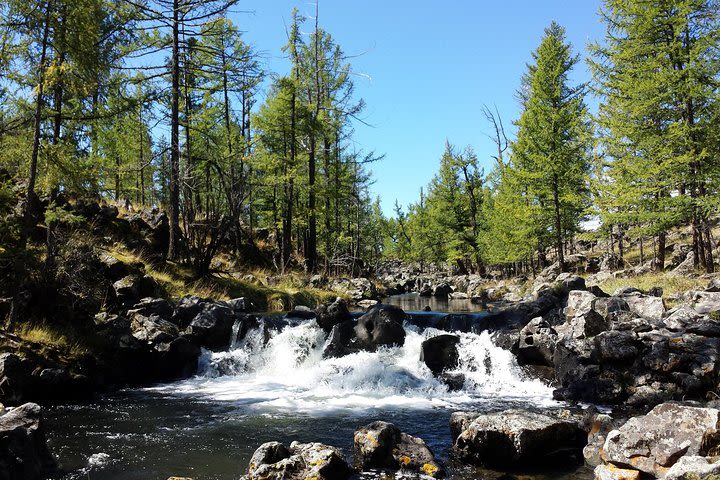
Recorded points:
(156, 103)
(646, 162)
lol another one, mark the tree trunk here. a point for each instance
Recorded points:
(174, 189)
(558, 224)
(31, 196)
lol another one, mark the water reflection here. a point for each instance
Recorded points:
(413, 302)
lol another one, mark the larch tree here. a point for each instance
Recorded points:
(657, 74)
(550, 154)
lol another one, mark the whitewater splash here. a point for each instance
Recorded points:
(287, 373)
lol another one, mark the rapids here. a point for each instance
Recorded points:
(276, 385)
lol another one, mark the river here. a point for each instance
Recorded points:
(207, 427)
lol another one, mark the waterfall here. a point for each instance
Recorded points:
(285, 371)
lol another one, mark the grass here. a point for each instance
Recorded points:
(49, 338)
(670, 284)
(176, 280)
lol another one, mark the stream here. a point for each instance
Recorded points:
(208, 426)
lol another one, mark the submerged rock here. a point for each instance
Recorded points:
(518, 438)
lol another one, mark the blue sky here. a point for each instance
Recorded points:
(425, 69)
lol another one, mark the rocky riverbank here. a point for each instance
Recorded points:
(627, 350)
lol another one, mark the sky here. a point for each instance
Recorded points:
(425, 69)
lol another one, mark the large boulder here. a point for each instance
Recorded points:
(653, 443)
(520, 438)
(442, 290)
(536, 344)
(16, 381)
(695, 468)
(23, 450)
(440, 353)
(381, 445)
(212, 328)
(382, 325)
(645, 306)
(273, 461)
(153, 329)
(330, 314)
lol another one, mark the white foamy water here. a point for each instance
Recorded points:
(289, 374)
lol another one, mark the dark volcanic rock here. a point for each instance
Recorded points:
(329, 315)
(382, 325)
(440, 353)
(536, 345)
(520, 438)
(341, 340)
(23, 451)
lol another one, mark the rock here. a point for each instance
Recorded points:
(681, 317)
(600, 426)
(382, 325)
(366, 303)
(645, 306)
(267, 454)
(355, 288)
(567, 283)
(583, 326)
(694, 468)
(617, 346)
(153, 306)
(301, 461)
(153, 329)
(114, 268)
(340, 342)
(714, 285)
(686, 268)
(239, 305)
(653, 443)
(24, 454)
(329, 315)
(212, 328)
(440, 353)
(175, 360)
(706, 302)
(381, 445)
(442, 290)
(453, 381)
(519, 438)
(460, 421)
(611, 472)
(579, 302)
(374, 445)
(16, 380)
(537, 341)
(127, 289)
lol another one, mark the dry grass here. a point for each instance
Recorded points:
(54, 338)
(670, 284)
(176, 281)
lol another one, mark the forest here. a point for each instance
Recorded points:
(155, 105)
